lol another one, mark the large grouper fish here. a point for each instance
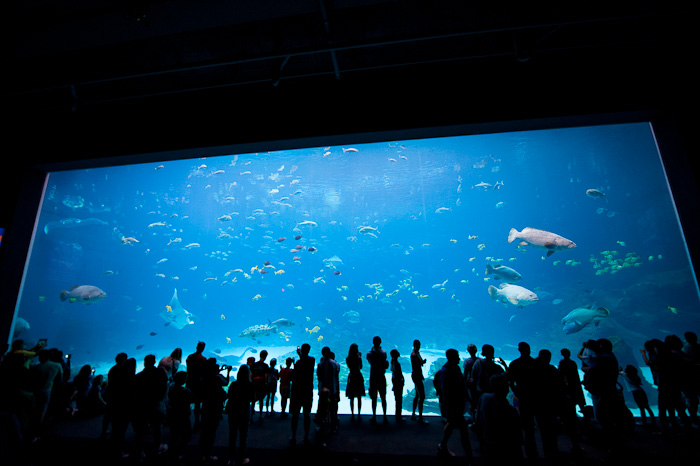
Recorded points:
(541, 239)
(85, 294)
(579, 318)
(514, 294)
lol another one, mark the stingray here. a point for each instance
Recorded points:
(176, 315)
(332, 262)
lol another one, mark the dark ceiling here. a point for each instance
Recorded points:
(86, 78)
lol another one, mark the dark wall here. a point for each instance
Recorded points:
(575, 68)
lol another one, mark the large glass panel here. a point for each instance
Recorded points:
(415, 239)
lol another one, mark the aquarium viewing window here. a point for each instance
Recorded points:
(551, 237)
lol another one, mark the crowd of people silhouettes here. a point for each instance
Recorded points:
(505, 405)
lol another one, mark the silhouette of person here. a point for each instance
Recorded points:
(497, 426)
(550, 395)
(472, 392)
(179, 400)
(482, 371)
(151, 386)
(123, 398)
(213, 398)
(397, 383)
(355, 387)
(240, 395)
(302, 396)
(633, 383)
(44, 375)
(417, 363)
(272, 380)
(691, 349)
(569, 371)
(378, 364)
(522, 376)
(328, 378)
(195, 368)
(452, 392)
(286, 374)
(602, 385)
(260, 373)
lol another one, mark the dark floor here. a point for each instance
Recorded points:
(76, 442)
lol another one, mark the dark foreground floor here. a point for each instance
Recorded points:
(76, 442)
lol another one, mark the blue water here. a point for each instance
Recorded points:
(415, 273)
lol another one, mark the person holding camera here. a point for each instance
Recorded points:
(302, 393)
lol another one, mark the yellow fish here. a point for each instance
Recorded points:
(328, 320)
(473, 237)
(256, 297)
(168, 308)
(313, 330)
(673, 309)
(320, 337)
(223, 317)
(308, 319)
(279, 272)
(228, 340)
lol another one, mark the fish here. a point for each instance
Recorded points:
(225, 218)
(442, 209)
(153, 334)
(280, 239)
(516, 295)
(337, 272)
(307, 222)
(256, 331)
(353, 316)
(282, 323)
(257, 297)
(140, 346)
(311, 249)
(672, 309)
(156, 224)
(297, 308)
(350, 149)
(313, 330)
(21, 325)
(85, 294)
(223, 317)
(176, 315)
(482, 185)
(595, 194)
(500, 205)
(501, 272)
(579, 318)
(541, 239)
(439, 285)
